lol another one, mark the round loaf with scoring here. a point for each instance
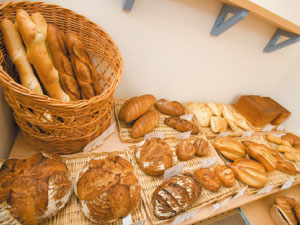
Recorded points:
(34, 189)
(107, 189)
(174, 195)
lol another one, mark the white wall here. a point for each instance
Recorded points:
(168, 51)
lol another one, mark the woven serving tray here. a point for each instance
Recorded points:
(150, 183)
(275, 178)
(124, 128)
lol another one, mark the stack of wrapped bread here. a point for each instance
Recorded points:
(65, 71)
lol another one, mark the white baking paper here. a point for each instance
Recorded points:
(184, 217)
(184, 135)
(154, 135)
(268, 128)
(248, 133)
(279, 135)
(288, 183)
(206, 163)
(173, 171)
(240, 193)
(265, 190)
(223, 134)
(127, 220)
(187, 117)
(280, 127)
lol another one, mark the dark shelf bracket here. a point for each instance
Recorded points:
(222, 24)
(273, 45)
(127, 4)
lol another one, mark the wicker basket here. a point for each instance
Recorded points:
(73, 124)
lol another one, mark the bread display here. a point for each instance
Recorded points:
(135, 107)
(17, 54)
(182, 125)
(172, 108)
(250, 172)
(287, 208)
(174, 195)
(208, 179)
(34, 39)
(201, 147)
(260, 153)
(276, 140)
(107, 189)
(225, 175)
(291, 138)
(83, 66)
(230, 148)
(56, 41)
(34, 189)
(185, 150)
(144, 124)
(154, 157)
(215, 108)
(218, 124)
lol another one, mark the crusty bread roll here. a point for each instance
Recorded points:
(286, 167)
(201, 147)
(61, 61)
(17, 54)
(272, 138)
(285, 148)
(174, 195)
(134, 107)
(250, 172)
(230, 148)
(144, 124)
(84, 68)
(225, 175)
(208, 179)
(107, 189)
(154, 157)
(292, 138)
(172, 108)
(38, 55)
(292, 156)
(260, 153)
(181, 124)
(218, 124)
(34, 189)
(185, 150)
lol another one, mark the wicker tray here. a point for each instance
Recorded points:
(275, 178)
(150, 183)
(72, 124)
(124, 128)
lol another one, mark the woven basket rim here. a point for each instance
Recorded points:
(20, 89)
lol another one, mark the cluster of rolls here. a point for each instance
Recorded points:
(65, 69)
(252, 170)
(33, 190)
(138, 110)
(186, 150)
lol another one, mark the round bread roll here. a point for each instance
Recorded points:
(201, 147)
(33, 189)
(225, 174)
(155, 156)
(208, 179)
(185, 150)
(107, 189)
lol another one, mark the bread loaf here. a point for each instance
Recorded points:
(250, 172)
(144, 124)
(218, 124)
(38, 55)
(16, 51)
(225, 175)
(283, 112)
(83, 66)
(174, 195)
(277, 140)
(107, 189)
(292, 138)
(185, 150)
(181, 125)
(135, 107)
(208, 179)
(172, 108)
(260, 153)
(216, 108)
(202, 113)
(154, 157)
(230, 118)
(201, 147)
(287, 205)
(286, 167)
(34, 189)
(61, 61)
(230, 148)
(285, 148)
(292, 156)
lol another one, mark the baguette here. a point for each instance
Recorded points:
(38, 55)
(62, 62)
(230, 148)
(17, 54)
(135, 107)
(144, 124)
(172, 108)
(84, 68)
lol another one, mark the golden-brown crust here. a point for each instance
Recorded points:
(172, 108)
(154, 157)
(230, 148)
(287, 205)
(185, 150)
(208, 179)
(182, 125)
(225, 174)
(106, 188)
(286, 167)
(218, 124)
(144, 124)
(292, 138)
(272, 138)
(24, 185)
(201, 147)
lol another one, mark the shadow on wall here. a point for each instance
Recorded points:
(8, 127)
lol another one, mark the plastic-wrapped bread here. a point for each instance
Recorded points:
(144, 124)
(33, 189)
(107, 189)
(39, 56)
(16, 51)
